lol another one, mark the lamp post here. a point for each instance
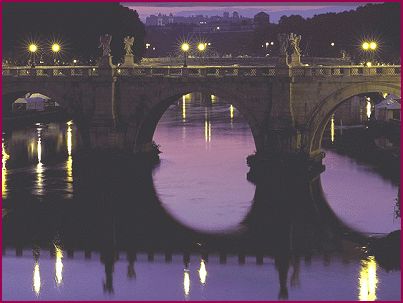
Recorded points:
(201, 47)
(369, 47)
(56, 48)
(33, 48)
(185, 48)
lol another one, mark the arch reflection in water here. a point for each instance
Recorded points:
(368, 280)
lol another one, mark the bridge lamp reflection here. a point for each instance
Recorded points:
(202, 272)
(186, 282)
(58, 266)
(231, 111)
(4, 159)
(36, 279)
(368, 281)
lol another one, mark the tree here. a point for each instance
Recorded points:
(77, 25)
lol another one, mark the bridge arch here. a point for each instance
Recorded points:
(322, 113)
(153, 115)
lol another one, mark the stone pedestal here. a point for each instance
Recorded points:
(128, 61)
(105, 66)
(295, 60)
(282, 61)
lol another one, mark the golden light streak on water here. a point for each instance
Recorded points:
(69, 138)
(202, 272)
(36, 279)
(186, 282)
(58, 266)
(183, 109)
(39, 166)
(213, 99)
(39, 144)
(332, 128)
(207, 131)
(368, 108)
(4, 159)
(69, 162)
(231, 111)
(368, 281)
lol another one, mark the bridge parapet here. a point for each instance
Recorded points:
(205, 71)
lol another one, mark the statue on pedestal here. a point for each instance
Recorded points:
(128, 43)
(105, 43)
(283, 42)
(294, 43)
(105, 62)
(129, 57)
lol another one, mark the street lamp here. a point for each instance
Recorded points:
(369, 47)
(373, 45)
(185, 48)
(201, 47)
(56, 48)
(365, 46)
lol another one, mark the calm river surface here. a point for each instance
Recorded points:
(54, 228)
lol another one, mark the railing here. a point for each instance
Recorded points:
(203, 71)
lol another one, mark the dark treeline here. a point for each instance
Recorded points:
(379, 22)
(77, 26)
(347, 30)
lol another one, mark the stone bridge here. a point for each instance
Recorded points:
(287, 107)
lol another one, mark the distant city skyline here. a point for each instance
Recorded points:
(275, 10)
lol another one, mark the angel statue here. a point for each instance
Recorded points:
(294, 43)
(283, 42)
(128, 42)
(105, 43)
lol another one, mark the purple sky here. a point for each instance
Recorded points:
(248, 9)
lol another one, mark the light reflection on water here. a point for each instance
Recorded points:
(207, 190)
(368, 281)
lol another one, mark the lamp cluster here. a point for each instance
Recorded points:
(369, 45)
(201, 46)
(55, 48)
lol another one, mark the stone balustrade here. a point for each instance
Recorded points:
(204, 71)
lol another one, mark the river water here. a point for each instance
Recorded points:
(196, 200)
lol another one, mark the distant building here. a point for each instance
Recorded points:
(200, 20)
(261, 19)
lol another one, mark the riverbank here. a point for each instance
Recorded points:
(377, 145)
(21, 120)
